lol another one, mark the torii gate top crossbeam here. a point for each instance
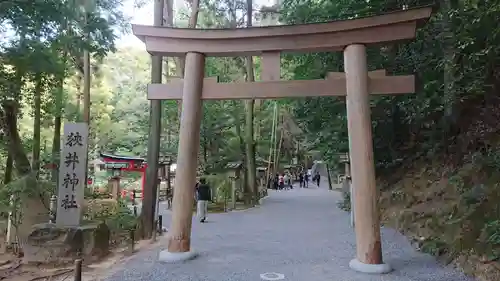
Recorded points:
(329, 36)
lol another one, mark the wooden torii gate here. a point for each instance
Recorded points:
(350, 36)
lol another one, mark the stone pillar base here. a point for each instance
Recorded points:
(358, 266)
(168, 257)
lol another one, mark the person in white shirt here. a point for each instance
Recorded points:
(286, 180)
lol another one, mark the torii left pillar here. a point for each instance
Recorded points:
(366, 214)
(179, 243)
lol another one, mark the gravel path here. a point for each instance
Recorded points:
(300, 234)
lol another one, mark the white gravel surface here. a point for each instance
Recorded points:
(297, 235)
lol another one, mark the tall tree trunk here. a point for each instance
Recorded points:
(37, 123)
(87, 76)
(155, 110)
(15, 145)
(168, 20)
(272, 144)
(78, 106)
(79, 95)
(8, 122)
(33, 205)
(277, 155)
(237, 126)
(193, 21)
(205, 151)
(251, 187)
(7, 177)
(451, 102)
(249, 124)
(276, 140)
(56, 140)
(268, 18)
(181, 61)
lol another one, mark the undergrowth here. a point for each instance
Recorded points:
(451, 211)
(345, 203)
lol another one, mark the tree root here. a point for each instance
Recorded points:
(52, 274)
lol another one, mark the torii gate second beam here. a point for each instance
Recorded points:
(333, 85)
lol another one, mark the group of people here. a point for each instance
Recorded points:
(304, 179)
(280, 182)
(284, 181)
(317, 178)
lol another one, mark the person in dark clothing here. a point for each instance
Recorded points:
(281, 180)
(318, 177)
(301, 179)
(276, 182)
(203, 195)
(306, 180)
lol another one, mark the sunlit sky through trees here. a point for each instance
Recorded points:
(144, 15)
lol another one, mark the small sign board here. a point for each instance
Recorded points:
(72, 170)
(116, 165)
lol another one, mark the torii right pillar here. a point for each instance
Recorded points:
(366, 212)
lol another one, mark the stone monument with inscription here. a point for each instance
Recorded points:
(72, 170)
(69, 237)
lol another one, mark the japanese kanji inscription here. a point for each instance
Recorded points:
(72, 174)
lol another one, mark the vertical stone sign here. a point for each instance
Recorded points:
(72, 174)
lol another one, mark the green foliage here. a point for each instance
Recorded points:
(34, 185)
(116, 215)
(42, 45)
(491, 159)
(403, 126)
(449, 120)
(95, 194)
(492, 232)
(433, 247)
(345, 203)
(220, 185)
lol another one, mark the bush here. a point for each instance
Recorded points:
(492, 233)
(97, 193)
(345, 204)
(115, 214)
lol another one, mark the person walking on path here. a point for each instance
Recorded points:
(301, 179)
(286, 179)
(317, 178)
(306, 180)
(203, 195)
(281, 181)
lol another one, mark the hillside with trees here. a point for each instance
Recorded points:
(437, 151)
